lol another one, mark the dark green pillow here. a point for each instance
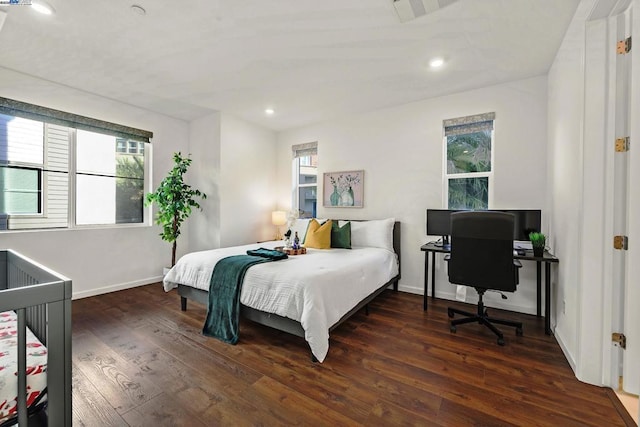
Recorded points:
(341, 236)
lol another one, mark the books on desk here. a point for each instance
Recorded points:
(519, 247)
(445, 246)
(519, 244)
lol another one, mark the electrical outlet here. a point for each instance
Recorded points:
(564, 306)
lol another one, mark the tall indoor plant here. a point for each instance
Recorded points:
(175, 200)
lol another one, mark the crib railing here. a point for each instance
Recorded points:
(41, 299)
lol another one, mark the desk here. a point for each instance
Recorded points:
(548, 259)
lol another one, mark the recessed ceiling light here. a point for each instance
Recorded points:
(42, 7)
(138, 10)
(436, 63)
(269, 111)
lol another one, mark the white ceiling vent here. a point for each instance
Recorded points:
(3, 15)
(412, 9)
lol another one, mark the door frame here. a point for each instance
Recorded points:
(600, 305)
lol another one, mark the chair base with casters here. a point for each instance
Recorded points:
(483, 318)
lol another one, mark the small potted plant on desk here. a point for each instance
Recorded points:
(538, 241)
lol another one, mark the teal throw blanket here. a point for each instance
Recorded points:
(267, 253)
(223, 314)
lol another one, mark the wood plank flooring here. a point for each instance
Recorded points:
(139, 361)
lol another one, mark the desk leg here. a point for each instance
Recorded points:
(433, 275)
(547, 298)
(426, 280)
(539, 288)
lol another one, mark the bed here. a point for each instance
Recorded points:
(306, 295)
(35, 343)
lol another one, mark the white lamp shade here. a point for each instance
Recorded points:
(278, 218)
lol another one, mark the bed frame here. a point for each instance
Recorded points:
(283, 323)
(41, 299)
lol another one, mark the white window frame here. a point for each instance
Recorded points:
(446, 176)
(72, 122)
(31, 166)
(125, 147)
(73, 173)
(300, 151)
(43, 180)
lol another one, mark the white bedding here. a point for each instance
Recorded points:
(315, 289)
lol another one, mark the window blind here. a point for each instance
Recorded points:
(303, 150)
(25, 110)
(469, 124)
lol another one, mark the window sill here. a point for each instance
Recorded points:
(77, 228)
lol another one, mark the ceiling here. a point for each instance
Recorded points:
(309, 60)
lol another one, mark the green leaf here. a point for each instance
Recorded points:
(173, 197)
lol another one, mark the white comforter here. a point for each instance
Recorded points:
(315, 289)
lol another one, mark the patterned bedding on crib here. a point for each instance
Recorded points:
(36, 366)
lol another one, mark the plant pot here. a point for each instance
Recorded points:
(538, 251)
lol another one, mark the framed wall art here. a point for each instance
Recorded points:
(343, 189)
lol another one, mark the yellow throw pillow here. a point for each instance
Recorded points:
(318, 236)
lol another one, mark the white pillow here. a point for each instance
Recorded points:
(300, 226)
(374, 233)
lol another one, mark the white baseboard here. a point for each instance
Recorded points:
(114, 288)
(451, 296)
(410, 289)
(567, 354)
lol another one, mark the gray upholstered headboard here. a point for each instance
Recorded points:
(397, 244)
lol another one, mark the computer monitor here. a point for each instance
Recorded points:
(526, 221)
(439, 223)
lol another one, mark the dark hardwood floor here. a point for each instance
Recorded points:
(139, 361)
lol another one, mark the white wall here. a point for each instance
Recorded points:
(234, 164)
(247, 182)
(99, 260)
(566, 107)
(401, 149)
(204, 175)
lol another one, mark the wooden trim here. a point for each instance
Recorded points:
(622, 411)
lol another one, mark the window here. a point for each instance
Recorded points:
(121, 145)
(469, 161)
(41, 186)
(21, 165)
(22, 190)
(109, 185)
(305, 179)
(133, 147)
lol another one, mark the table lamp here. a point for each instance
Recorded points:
(278, 218)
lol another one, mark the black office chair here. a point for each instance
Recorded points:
(482, 257)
